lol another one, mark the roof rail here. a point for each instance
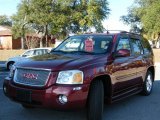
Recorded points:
(130, 32)
(118, 31)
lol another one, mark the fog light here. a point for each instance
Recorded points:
(63, 99)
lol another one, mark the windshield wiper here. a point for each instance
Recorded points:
(86, 52)
(58, 51)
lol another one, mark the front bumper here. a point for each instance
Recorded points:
(48, 97)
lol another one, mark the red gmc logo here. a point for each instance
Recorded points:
(30, 76)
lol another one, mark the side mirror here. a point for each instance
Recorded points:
(122, 53)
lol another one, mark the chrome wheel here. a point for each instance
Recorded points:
(149, 82)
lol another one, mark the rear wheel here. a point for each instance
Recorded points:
(148, 84)
(96, 101)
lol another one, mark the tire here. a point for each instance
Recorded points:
(27, 106)
(95, 101)
(148, 84)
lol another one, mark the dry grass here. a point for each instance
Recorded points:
(5, 54)
(157, 55)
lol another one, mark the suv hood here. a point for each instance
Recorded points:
(57, 62)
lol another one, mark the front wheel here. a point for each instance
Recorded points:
(148, 84)
(96, 101)
(9, 66)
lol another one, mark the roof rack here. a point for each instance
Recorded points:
(118, 31)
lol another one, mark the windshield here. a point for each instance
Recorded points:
(86, 44)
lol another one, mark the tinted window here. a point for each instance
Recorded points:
(137, 47)
(47, 51)
(38, 52)
(28, 53)
(89, 43)
(147, 47)
(123, 44)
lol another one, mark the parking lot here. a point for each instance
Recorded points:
(133, 108)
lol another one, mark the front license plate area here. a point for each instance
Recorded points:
(23, 95)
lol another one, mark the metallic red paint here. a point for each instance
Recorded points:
(121, 76)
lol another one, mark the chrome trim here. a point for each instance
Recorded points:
(35, 85)
(37, 70)
(31, 68)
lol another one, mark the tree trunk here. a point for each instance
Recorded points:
(46, 34)
(46, 41)
(22, 43)
(23, 36)
(158, 41)
(41, 41)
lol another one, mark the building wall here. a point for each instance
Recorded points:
(16, 43)
(5, 42)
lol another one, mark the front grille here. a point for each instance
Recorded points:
(31, 76)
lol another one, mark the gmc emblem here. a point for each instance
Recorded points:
(30, 76)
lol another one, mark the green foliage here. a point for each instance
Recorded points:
(59, 17)
(146, 13)
(4, 20)
(21, 20)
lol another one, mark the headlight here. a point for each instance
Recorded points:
(70, 77)
(12, 70)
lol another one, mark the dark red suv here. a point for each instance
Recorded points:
(84, 71)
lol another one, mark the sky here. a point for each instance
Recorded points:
(118, 8)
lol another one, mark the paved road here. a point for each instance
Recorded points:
(133, 108)
(2, 65)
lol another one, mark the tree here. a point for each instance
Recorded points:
(21, 21)
(41, 17)
(146, 13)
(6, 21)
(86, 14)
(59, 17)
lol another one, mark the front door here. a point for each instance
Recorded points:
(124, 70)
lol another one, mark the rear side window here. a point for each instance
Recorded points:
(137, 47)
(123, 44)
(147, 47)
(38, 52)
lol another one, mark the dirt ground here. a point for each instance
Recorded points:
(5, 54)
(157, 55)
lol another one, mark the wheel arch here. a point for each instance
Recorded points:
(107, 84)
(10, 63)
(152, 70)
